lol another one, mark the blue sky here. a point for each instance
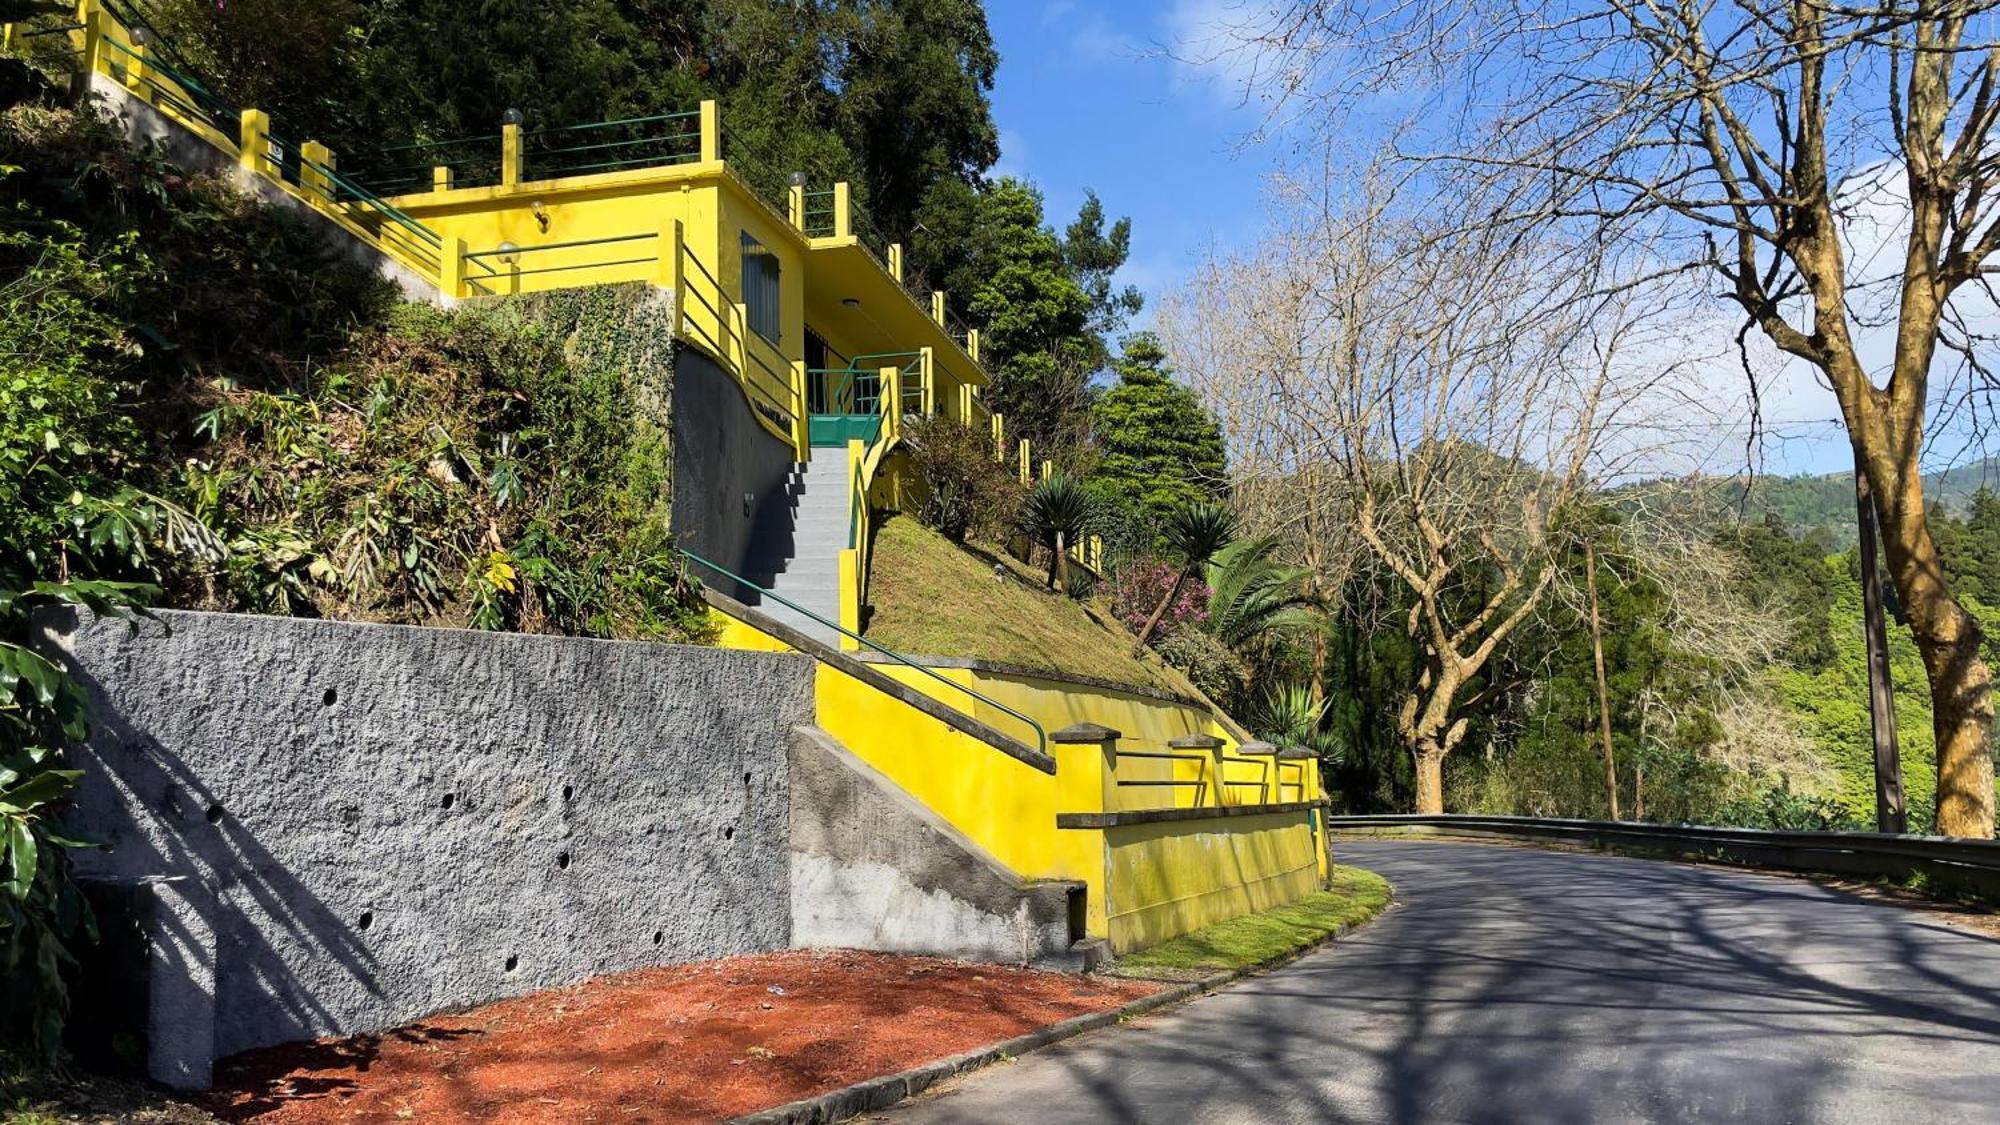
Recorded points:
(1088, 97)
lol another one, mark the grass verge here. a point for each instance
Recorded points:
(1353, 897)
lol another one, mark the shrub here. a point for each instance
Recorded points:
(1208, 663)
(966, 490)
(1138, 586)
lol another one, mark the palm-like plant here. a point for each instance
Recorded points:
(1194, 534)
(1289, 716)
(1253, 594)
(1057, 511)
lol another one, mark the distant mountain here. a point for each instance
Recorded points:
(1807, 502)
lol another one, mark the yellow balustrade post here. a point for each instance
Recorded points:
(927, 375)
(795, 205)
(972, 343)
(741, 330)
(896, 260)
(999, 438)
(1089, 753)
(843, 215)
(711, 133)
(892, 396)
(667, 271)
(135, 74)
(90, 14)
(965, 403)
(6, 37)
(451, 268)
(937, 307)
(1048, 468)
(1027, 476)
(254, 143)
(315, 160)
(801, 421)
(1097, 553)
(441, 177)
(510, 154)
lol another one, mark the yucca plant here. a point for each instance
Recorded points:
(1193, 534)
(1288, 715)
(1057, 511)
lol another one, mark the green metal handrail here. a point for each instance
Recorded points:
(1041, 736)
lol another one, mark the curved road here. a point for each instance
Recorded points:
(1511, 984)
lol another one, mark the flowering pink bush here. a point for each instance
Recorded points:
(1138, 586)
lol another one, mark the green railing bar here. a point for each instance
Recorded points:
(578, 266)
(648, 161)
(488, 138)
(563, 245)
(1041, 736)
(676, 116)
(601, 145)
(64, 29)
(375, 202)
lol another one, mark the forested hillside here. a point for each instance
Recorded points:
(1808, 503)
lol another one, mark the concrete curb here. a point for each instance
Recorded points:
(872, 1094)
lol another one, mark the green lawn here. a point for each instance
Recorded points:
(929, 597)
(1256, 939)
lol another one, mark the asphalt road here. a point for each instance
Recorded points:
(1510, 984)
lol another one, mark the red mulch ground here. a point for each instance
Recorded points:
(695, 1042)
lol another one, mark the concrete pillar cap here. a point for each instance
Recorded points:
(1258, 748)
(1084, 733)
(1196, 742)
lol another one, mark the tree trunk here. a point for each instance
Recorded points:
(1603, 689)
(1430, 776)
(1889, 812)
(1060, 574)
(1948, 637)
(1160, 611)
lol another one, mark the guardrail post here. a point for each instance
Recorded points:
(896, 261)
(965, 403)
(999, 438)
(441, 177)
(795, 205)
(801, 420)
(253, 145)
(892, 402)
(1097, 553)
(937, 307)
(313, 157)
(1048, 468)
(927, 379)
(711, 133)
(843, 215)
(135, 71)
(510, 154)
(972, 343)
(89, 13)
(1027, 463)
(1105, 761)
(667, 271)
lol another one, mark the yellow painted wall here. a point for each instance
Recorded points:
(1168, 878)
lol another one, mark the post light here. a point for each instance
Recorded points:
(512, 117)
(140, 36)
(798, 179)
(509, 253)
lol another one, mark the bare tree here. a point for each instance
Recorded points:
(1452, 395)
(1833, 167)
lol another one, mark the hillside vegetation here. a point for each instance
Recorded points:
(932, 598)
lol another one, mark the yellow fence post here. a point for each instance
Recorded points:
(1048, 468)
(741, 330)
(972, 343)
(90, 14)
(1027, 475)
(510, 154)
(135, 70)
(315, 160)
(795, 205)
(254, 141)
(843, 215)
(801, 421)
(937, 307)
(965, 403)
(441, 177)
(667, 271)
(711, 133)
(896, 260)
(451, 268)
(927, 375)
(999, 438)
(892, 396)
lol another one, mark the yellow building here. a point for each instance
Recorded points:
(805, 349)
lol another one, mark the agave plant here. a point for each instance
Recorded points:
(1057, 511)
(1194, 534)
(1289, 716)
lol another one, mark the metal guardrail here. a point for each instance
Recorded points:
(1971, 864)
(1041, 736)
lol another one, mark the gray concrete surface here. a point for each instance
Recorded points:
(1513, 984)
(873, 868)
(385, 822)
(734, 485)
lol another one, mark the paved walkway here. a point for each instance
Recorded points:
(1511, 984)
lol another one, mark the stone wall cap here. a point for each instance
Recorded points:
(1296, 753)
(1256, 748)
(1196, 742)
(1084, 732)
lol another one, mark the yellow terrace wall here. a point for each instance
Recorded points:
(1166, 878)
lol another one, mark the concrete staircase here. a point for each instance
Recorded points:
(802, 555)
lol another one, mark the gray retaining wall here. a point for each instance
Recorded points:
(362, 824)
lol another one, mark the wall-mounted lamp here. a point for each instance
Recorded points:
(541, 215)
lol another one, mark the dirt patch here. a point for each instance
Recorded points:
(685, 1043)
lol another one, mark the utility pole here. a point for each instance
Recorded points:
(1603, 690)
(1889, 813)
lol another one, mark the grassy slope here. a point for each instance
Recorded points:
(1256, 939)
(931, 598)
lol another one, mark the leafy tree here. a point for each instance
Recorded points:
(1159, 448)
